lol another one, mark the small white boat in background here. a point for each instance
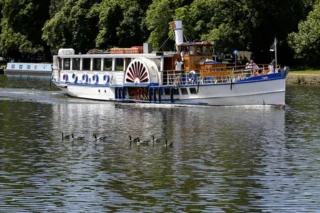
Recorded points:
(128, 75)
(29, 69)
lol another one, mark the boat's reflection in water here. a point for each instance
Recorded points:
(220, 153)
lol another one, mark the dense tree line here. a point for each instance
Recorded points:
(31, 27)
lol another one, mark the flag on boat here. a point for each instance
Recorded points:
(273, 46)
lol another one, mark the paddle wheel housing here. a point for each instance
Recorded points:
(142, 71)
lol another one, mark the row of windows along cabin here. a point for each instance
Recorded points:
(92, 64)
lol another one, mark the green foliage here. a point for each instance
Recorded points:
(33, 25)
(306, 42)
(11, 41)
(21, 25)
(87, 24)
(122, 23)
(75, 25)
(160, 16)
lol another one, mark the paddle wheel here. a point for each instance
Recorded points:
(137, 72)
(141, 71)
(139, 75)
(138, 93)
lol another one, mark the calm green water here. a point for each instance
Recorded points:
(224, 159)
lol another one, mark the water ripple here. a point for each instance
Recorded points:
(224, 159)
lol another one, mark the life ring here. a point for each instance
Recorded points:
(65, 77)
(111, 79)
(176, 81)
(76, 80)
(191, 76)
(95, 79)
(209, 68)
(73, 75)
(106, 78)
(85, 78)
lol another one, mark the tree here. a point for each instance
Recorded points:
(87, 24)
(121, 23)
(24, 21)
(75, 25)
(224, 22)
(132, 30)
(159, 19)
(306, 42)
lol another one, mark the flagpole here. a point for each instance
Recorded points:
(275, 53)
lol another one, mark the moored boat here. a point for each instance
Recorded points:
(29, 69)
(187, 76)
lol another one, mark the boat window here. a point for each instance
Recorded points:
(127, 62)
(107, 64)
(119, 64)
(199, 50)
(193, 91)
(192, 50)
(184, 91)
(86, 64)
(206, 50)
(66, 64)
(97, 64)
(76, 64)
(167, 91)
(176, 91)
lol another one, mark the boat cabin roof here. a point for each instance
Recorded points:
(200, 43)
(150, 55)
(196, 48)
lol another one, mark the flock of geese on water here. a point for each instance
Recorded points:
(131, 140)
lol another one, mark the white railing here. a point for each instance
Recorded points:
(221, 75)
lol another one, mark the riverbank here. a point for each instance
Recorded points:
(308, 77)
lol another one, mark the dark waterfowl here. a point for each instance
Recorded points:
(143, 142)
(155, 139)
(65, 136)
(133, 140)
(170, 144)
(101, 138)
(77, 138)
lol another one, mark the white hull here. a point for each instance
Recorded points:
(274, 98)
(270, 92)
(253, 93)
(148, 78)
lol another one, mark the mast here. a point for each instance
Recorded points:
(275, 53)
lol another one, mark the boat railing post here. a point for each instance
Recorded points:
(154, 95)
(120, 92)
(123, 93)
(232, 74)
(171, 94)
(150, 94)
(160, 91)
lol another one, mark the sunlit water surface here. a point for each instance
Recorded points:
(223, 159)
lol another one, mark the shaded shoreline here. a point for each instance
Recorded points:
(300, 78)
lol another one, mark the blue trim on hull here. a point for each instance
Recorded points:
(162, 102)
(255, 79)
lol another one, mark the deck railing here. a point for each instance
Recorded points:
(218, 75)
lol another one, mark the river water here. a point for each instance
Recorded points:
(223, 159)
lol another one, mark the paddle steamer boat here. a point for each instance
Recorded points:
(136, 75)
